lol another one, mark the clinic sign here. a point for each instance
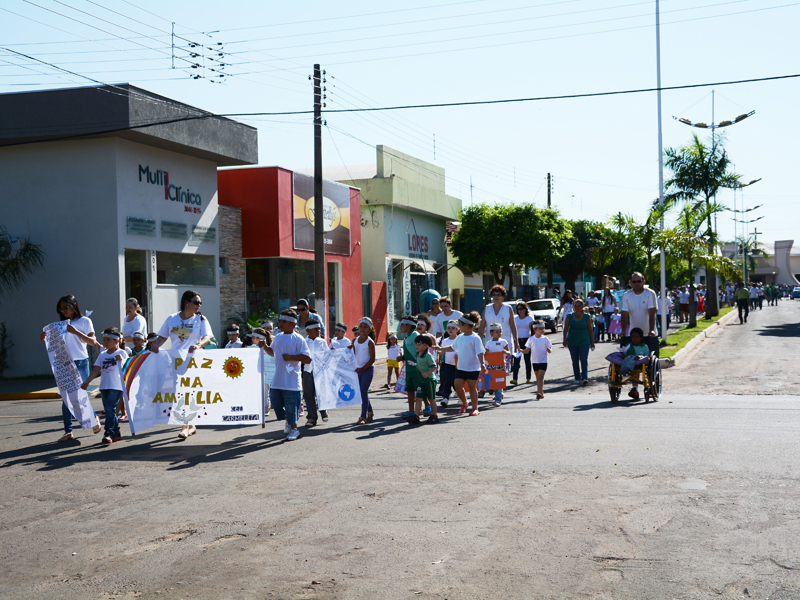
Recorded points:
(172, 192)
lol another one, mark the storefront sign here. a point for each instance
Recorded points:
(424, 237)
(336, 215)
(202, 234)
(137, 226)
(172, 192)
(174, 231)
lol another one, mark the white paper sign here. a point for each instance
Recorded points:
(335, 379)
(68, 379)
(208, 387)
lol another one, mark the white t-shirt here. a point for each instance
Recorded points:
(110, 373)
(236, 344)
(592, 301)
(524, 326)
(496, 345)
(468, 348)
(566, 310)
(287, 375)
(130, 327)
(538, 346)
(449, 357)
(637, 307)
(184, 333)
(315, 346)
(393, 352)
(608, 303)
(669, 304)
(683, 298)
(441, 320)
(77, 349)
(362, 351)
(342, 343)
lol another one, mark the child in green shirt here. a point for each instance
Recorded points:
(426, 383)
(407, 326)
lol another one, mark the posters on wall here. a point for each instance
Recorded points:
(336, 217)
(68, 379)
(208, 387)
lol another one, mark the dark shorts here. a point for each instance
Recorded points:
(426, 388)
(539, 367)
(412, 379)
(467, 375)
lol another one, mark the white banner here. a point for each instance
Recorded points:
(68, 379)
(209, 387)
(335, 379)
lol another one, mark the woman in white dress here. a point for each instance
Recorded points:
(133, 321)
(188, 330)
(497, 312)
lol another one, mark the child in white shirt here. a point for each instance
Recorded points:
(340, 340)
(108, 366)
(233, 337)
(315, 345)
(392, 364)
(540, 346)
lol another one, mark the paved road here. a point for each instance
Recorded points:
(692, 497)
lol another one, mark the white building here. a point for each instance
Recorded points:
(119, 187)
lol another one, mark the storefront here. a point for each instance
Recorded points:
(123, 205)
(277, 233)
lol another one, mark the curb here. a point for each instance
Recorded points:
(31, 396)
(691, 347)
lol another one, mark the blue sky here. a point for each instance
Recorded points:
(601, 151)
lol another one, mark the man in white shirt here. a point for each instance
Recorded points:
(639, 308)
(683, 302)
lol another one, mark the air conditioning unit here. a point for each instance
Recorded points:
(9, 247)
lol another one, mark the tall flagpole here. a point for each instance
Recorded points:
(661, 176)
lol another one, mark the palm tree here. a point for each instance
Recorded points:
(18, 259)
(698, 172)
(640, 238)
(687, 241)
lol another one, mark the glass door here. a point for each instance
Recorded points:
(136, 286)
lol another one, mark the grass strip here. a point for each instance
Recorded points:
(679, 338)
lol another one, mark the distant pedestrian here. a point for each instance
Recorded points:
(523, 321)
(392, 362)
(539, 346)
(579, 339)
(364, 349)
(742, 297)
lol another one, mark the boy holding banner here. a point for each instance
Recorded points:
(290, 352)
(315, 345)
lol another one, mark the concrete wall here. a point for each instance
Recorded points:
(47, 194)
(373, 244)
(73, 198)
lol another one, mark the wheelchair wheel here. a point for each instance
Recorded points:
(613, 390)
(655, 379)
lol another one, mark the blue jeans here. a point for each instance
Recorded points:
(83, 369)
(364, 381)
(580, 353)
(498, 395)
(448, 379)
(286, 404)
(110, 400)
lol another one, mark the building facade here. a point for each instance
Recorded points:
(122, 205)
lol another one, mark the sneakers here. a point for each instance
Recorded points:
(527, 381)
(584, 383)
(266, 414)
(427, 411)
(495, 403)
(432, 419)
(67, 437)
(286, 427)
(443, 403)
(634, 393)
(311, 423)
(324, 416)
(413, 419)
(107, 439)
(513, 382)
(116, 438)
(293, 435)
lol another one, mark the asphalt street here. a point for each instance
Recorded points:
(695, 496)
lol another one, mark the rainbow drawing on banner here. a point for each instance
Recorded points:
(132, 365)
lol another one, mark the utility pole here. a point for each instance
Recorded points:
(470, 190)
(319, 224)
(662, 254)
(550, 262)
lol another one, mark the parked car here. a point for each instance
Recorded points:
(546, 309)
(796, 293)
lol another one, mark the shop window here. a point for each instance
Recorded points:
(175, 268)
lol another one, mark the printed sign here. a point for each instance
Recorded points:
(336, 215)
(137, 226)
(208, 387)
(68, 379)
(335, 379)
(174, 231)
(202, 234)
(496, 379)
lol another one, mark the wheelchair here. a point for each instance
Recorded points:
(647, 374)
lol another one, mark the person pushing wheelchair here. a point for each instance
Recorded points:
(639, 307)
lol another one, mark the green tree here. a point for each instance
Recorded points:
(499, 238)
(587, 238)
(641, 239)
(686, 240)
(17, 263)
(750, 248)
(698, 172)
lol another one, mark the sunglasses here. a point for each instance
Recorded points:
(197, 302)
(302, 308)
(637, 280)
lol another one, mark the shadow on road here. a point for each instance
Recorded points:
(785, 330)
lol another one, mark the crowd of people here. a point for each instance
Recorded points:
(442, 347)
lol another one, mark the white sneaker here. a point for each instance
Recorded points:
(286, 427)
(293, 435)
